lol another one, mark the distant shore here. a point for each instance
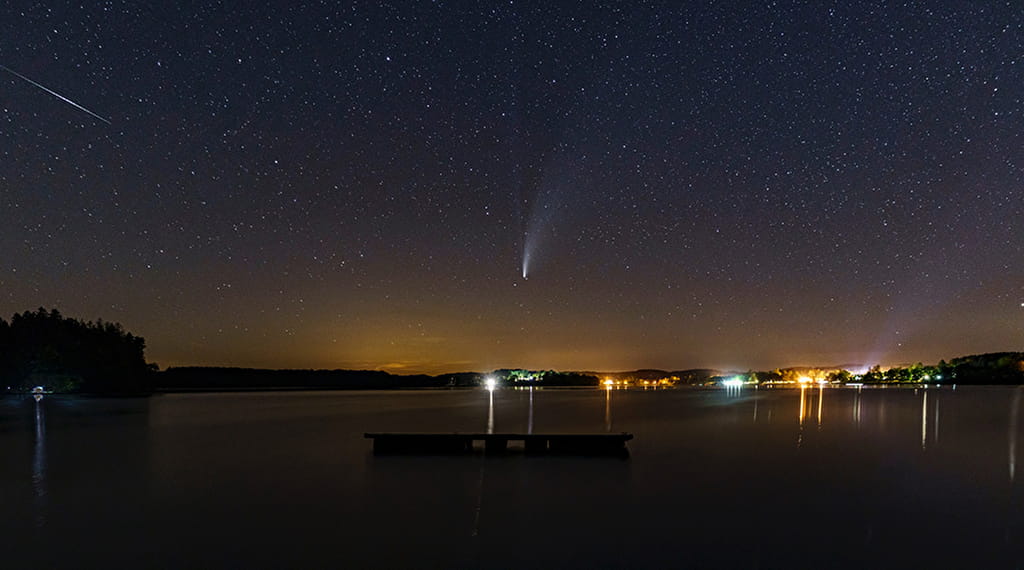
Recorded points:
(1004, 368)
(204, 379)
(1001, 368)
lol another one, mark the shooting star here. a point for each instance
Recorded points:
(54, 93)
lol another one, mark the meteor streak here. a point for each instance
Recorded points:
(54, 93)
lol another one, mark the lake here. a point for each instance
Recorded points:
(730, 478)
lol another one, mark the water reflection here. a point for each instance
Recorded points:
(929, 417)
(490, 409)
(803, 404)
(1012, 436)
(39, 463)
(803, 413)
(280, 470)
(924, 420)
(529, 418)
(821, 392)
(608, 409)
(856, 406)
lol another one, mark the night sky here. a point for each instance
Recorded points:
(365, 185)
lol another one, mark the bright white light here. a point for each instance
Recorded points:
(733, 383)
(804, 379)
(490, 383)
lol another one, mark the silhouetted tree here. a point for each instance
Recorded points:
(874, 374)
(768, 376)
(5, 355)
(839, 376)
(44, 348)
(992, 368)
(896, 374)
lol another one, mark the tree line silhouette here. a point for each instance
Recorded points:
(189, 378)
(991, 368)
(62, 354)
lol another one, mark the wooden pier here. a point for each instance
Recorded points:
(498, 443)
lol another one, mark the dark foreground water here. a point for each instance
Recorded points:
(747, 479)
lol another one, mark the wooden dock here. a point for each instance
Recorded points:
(498, 443)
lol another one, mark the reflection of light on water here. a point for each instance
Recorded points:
(821, 393)
(803, 413)
(608, 408)
(803, 403)
(529, 418)
(490, 383)
(39, 464)
(1014, 414)
(924, 420)
(856, 406)
(490, 411)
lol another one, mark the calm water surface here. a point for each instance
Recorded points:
(723, 478)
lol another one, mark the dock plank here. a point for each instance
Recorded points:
(498, 443)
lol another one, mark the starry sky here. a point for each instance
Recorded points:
(365, 184)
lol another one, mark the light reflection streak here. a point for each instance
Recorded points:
(608, 409)
(1014, 419)
(803, 413)
(856, 407)
(480, 482)
(935, 422)
(821, 394)
(490, 411)
(529, 418)
(803, 403)
(39, 464)
(924, 420)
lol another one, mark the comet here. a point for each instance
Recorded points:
(52, 92)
